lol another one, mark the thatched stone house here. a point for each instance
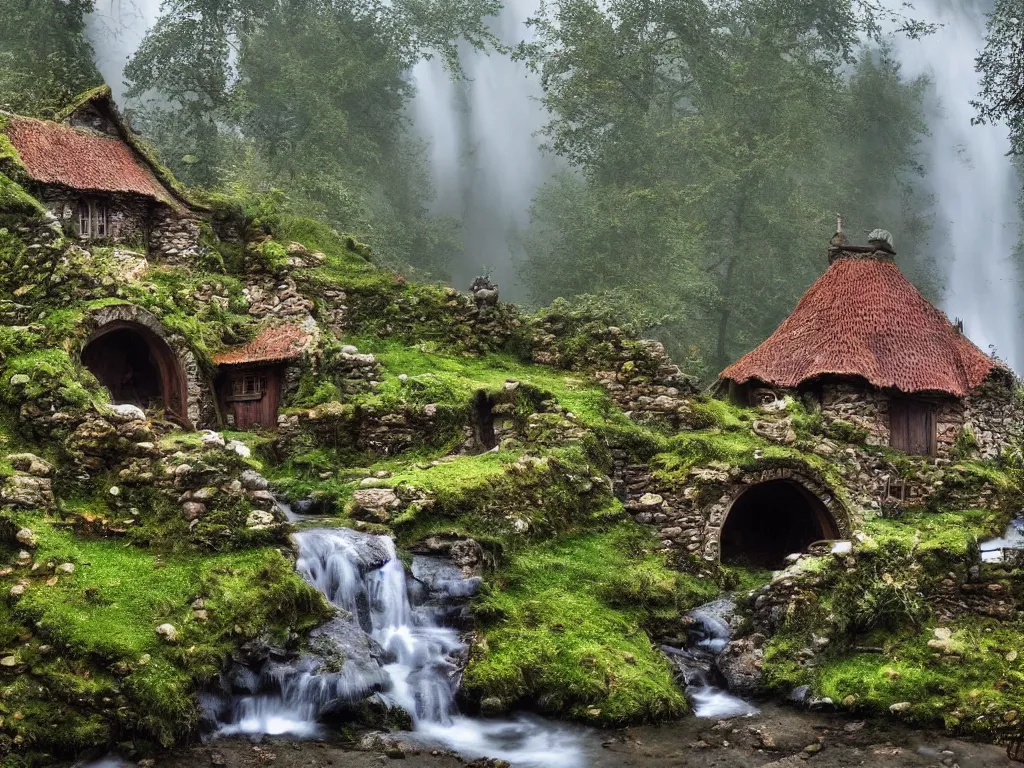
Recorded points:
(866, 347)
(90, 170)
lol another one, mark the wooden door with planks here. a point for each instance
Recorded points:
(253, 396)
(912, 426)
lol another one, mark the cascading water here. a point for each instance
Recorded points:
(396, 644)
(974, 184)
(709, 636)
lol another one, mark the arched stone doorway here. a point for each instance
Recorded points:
(138, 367)
(772, 519)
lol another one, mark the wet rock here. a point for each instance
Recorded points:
(800, 695)
(740, 665)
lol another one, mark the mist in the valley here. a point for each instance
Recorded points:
(486, 164)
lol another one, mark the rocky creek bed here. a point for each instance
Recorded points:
(777, 736)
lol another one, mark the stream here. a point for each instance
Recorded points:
(396, 644)
(400, 647)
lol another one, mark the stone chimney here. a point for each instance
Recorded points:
(879, 245)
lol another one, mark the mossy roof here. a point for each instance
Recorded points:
(90, 161)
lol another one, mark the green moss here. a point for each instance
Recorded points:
(969, 689)
(104, 616)
(52, 376)
(447, 379)
(563, 628)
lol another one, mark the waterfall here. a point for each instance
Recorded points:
(394, 642)
(485, 153)
(696, 664)
(974, 184)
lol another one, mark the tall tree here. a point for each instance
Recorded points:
(1001, 65)
(713, 144)
(45, 59)
(308, 96)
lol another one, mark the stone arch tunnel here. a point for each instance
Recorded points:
(137, 367)
(772, 519)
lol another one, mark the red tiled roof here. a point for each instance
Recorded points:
(864, 318)
(81, 159)
(274, 344)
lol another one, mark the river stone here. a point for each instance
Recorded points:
(167, 632)
(443, 579)
(253, 481)
(740, 665)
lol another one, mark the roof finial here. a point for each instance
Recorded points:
(838, 241)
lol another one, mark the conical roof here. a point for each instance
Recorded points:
(864, 318)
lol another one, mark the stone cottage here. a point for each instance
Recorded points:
(867, 348)
(253, 378)
(93, 174)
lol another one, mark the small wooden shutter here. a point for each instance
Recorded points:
(912, 426)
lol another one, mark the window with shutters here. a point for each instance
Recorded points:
(248, 387)
(93, 219)
(912, 426)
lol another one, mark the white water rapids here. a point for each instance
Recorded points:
(363, 575)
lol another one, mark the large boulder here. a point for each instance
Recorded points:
(740, 664)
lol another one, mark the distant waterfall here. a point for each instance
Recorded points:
(975, 185)
(485, 156)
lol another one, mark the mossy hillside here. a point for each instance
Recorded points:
(437, 377)
(562, 628)
(977, 687)
(885, 601)
(89, 638)
(503, 501)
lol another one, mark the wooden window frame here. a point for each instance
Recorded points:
(93, 219)
(247, 387)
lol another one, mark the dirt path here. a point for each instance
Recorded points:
(777, 738)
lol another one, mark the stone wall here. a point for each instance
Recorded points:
(991, 414)
(994, 415)
(174, 236)
(688, 515)
(128, 216)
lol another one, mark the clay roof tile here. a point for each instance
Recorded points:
(864, 318)
(82, 159)
(274, 344)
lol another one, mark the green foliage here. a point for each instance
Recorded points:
(311, 100)
(45, 59)
(562, 626)
(1002, 67)
(103, 618)
(709, 159)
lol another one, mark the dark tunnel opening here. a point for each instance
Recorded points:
(137, 367)
(771, 520)
(483, 421)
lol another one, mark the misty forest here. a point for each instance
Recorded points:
(531, 383)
